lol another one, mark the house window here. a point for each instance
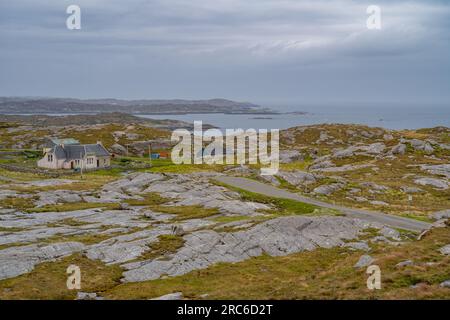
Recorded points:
(77, 163)
(50, 158)
(90, 160)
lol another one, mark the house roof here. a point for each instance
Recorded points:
(56, 141)
(78, 151)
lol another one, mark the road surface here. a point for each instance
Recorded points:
(373, 216)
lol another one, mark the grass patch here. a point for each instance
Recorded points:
(167, 244)
(187, 212)
(48, 280)
(67, 222)
(17, 203)
(149, 199)
(73, 206)
(282, 206)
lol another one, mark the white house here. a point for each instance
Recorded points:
(72, 156)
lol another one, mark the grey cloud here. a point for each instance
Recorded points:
(244, 49)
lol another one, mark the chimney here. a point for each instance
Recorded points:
(99, 142)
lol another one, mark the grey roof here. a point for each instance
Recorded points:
(72, 152)
(51, 142)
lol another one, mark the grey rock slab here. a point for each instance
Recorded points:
(444, 214)
(297, 177)
(288, 156)
(445, 284)
(405, 263)
(364, 261)
(328, 188)
(134, 182)
(15, 261)
(344, 168)
(270, 179)
(399, 149)
(436, 183)
(440, 169)
(87, 296)
(277, 237)
(357, 246)
(445, 250)
(170, 296)
(379, 203)
(410, 190)
(390, 233)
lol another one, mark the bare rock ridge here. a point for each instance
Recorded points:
(69, 105)
(129, 231)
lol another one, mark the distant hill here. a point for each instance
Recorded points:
(177, 106)
(41, 120)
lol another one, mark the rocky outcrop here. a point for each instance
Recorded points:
(436, 183)
(328, 189)
(288, 156)
(440, 169)
(277, 237)
(19, 260)
(297, 178)
(399, 149)
(364, 261)
(445, 250)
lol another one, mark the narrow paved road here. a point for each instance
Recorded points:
(271, 191)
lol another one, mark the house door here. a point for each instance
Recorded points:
(98, 163)
(71, 164)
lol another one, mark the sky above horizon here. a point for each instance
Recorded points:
(262, 51)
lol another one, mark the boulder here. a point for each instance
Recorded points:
(437, 183)
(404, 263)
(297, 178)
(357, 246)
(328, 189)
(444, 214)
(440, 169)
(170, 296)
(399, 149)
(288, 156)
(410, 190)
(364, 261)
(445, 250)
(119, 149)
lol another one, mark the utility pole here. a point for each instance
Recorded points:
(150, 153)
(81, 167)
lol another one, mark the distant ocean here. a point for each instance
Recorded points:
(389, 117)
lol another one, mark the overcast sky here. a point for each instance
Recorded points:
(263, 51)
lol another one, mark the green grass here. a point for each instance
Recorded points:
(73, 206)
(149, 199)
(166, 245)
(281, 206)
(17, 203)
(48, 280)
